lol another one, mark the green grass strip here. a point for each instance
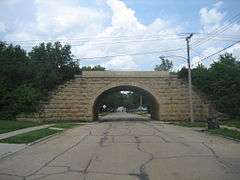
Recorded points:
(226, 132)
(65, 125)
(7, 125)
(189, 124)
(29, 137)
(232, 123)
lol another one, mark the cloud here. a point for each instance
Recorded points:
(58, 17)
(110, 27)
(8, 3)
(124, 23)
(211, 18)
(235, 50)
(205, 53)
(2, 27)
(212, 21)
(123, 16)
(72, 20)
(121, 63)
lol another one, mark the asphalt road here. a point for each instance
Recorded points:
(120, 116)
(126, 151)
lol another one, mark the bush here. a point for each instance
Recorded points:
(26, 99)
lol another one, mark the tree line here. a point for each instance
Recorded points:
(26, 78)
(220, 82)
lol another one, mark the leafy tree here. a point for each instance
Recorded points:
(94, 68)
(166, 65)
(24, 80)
(54, 63)
(220, 82)
(15, 70)
(26, 98)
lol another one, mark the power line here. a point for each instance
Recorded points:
(103, 44)
(130, 54)
(220, 28)
(116, 42)
(86, 39)
(115, 55)
(92, 39)
(220, 51)
(216, 32)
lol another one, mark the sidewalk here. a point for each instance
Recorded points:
(21, 131)
(6, 149)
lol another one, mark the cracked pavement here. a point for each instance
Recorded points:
(126, 150)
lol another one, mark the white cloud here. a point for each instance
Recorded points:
(123, 16)
(205, 53)
(124, 23)
(2, 27)
(70, 19)
(212, 21)
(235, 50)
(59, 17)
(211, 18)
(121, 63)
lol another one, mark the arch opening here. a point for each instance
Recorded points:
(146, 100)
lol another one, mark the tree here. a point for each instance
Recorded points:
(55, 65)
(15, 70)
(220, 82)
(166, 65)
(94, 68)
(25, 80)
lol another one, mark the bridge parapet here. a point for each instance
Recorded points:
(136, 74)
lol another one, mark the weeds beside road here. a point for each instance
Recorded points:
(225, 132)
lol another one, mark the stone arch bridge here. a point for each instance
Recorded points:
(78, 99)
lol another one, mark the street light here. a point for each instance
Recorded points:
(189, 82)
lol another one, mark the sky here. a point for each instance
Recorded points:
(125, 34)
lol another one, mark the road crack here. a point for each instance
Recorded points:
(142, 170)
(55, 157)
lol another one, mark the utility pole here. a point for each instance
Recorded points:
(188, 38)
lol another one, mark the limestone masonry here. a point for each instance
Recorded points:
(76, 99)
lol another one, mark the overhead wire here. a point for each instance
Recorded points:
(216, 32)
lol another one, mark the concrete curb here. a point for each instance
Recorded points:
(40, 140)
(29, 144)
(24, 130)
(44, 138)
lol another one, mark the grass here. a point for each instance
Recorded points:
(226, 133)
(104, 113)
(29, 137)
(65, 125)
(189, 124)
(142, 113)
(232, 123)
(7, 125)
(32, 136)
